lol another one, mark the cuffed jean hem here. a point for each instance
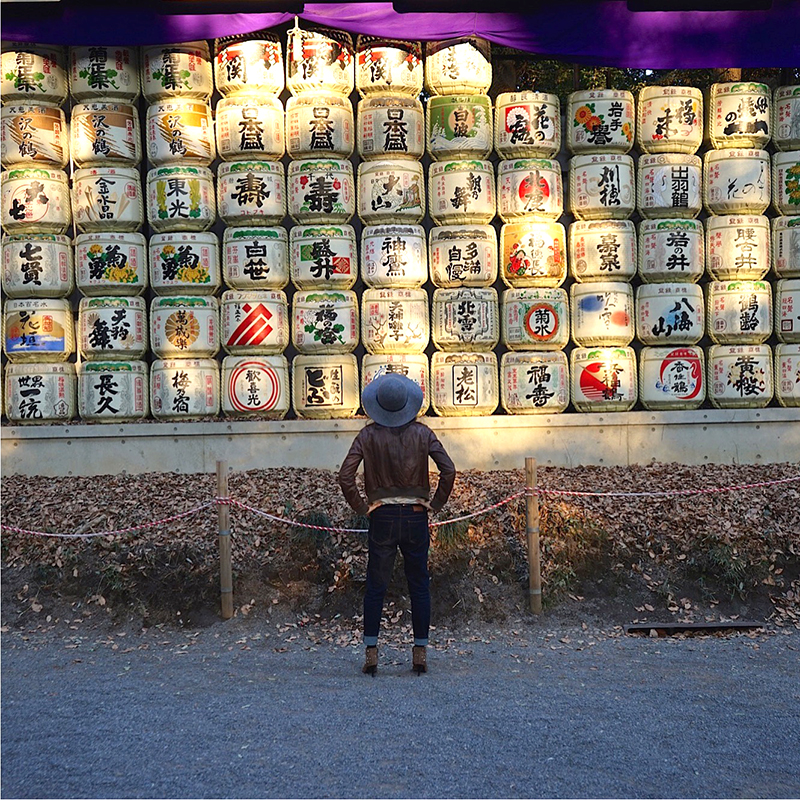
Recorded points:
(420, 642)
(370, 641)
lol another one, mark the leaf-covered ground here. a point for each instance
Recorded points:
(609, 560)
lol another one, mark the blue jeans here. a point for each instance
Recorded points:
(390, 527)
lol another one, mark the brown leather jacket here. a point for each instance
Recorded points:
(396, 465)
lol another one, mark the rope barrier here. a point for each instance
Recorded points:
(538, 490)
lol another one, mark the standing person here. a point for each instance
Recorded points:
(395, 449)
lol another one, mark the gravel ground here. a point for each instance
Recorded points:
(240, 710)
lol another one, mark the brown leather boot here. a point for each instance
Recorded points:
(419, 659)
(371, 661)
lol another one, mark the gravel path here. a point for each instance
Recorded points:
(236, 710)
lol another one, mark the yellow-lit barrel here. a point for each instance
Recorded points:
(464, 384)
(529, 188)
(255, 258)
(535, 319)
(323, 256)
(180, 131)
(38, 330)
(325, 386)
(37, 265)
(255, 386)
(184, 388)
(413, 366)
(670, 313)
(184, 327)
(105, 134)
(602, 314)
(253, 66)
(670, 185)
(786, 247)
(736, 181)
(787, 311)
(603, 379)
(459, 126)
(458, 66)
(177, 70)
(527, 125)
(671, 250)
(319, 124)
(738, 247)
(386, 66)
(325, 321)
(462, 255)
(112, 328)
(33, 71)
(254, 323)
(33, 135)
(113, 391)
(319, 60)
(180, 199)
(391, 190)
(250, 126)
(395, 321)
(462, 192)
(394, 256)
(465, 319)
(786, 182)
(787, 375)
(39, 393)
(321, 190)
(740, 376)
(251, 193)
(184, 263)
(602, 250)
(739, 312)
(390, 126)
(111, 263)
(602, 186)
(109, 73)
(35, 200)
(534, 382)
(786, 118)
(672, 378)
(670, 119)
(533, 253)
(600, 121)
(107, 199)
(739, 115)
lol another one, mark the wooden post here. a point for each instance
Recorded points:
(532, 531)
(224, 525)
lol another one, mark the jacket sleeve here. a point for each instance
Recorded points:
(447, 472)
(347, 477)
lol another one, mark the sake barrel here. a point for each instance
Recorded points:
(35, 200)
(184, 327)
(319, 60)
(180, 199)
(388, 65)
(33, 71)
(111, 263)
(787, 375)
(107, 199)
(254, 323)
(603, 379)
(527, 125)
(255, 386)
(462, 255)
(395, 321)
(325, 386)
(414, 367)
(462, 192)
(738, 247)
(37, 265)
(600, 121)
(786, 247)
(323, 256)
(319, 124)
(787, 311)
(672, 378)
(251, 193)
(535, 319)
(176, 70)
(390, 127)
(529, 188)
(112, 328)
(104, 72)
(459, 126)
(670, 185)
(105, 134)
(736, 181)
(250, 126)
(739, 115)
(601, 187)
(394, 256)
(325, 321)
(38, 330)
(185, 262)
(180, 130)
(464, 384)
(458, 66)
(113, 391)
(465, 319)
(255, 258)
(253, 66)
(671, 250)
(786, 182)
(602, 314)
(391, 190)
(740, 376)
(40, 392)
(739, 312)
(33, 135)
(184, 388)
(534, 383)
(670, 313)
(533, 253)
(669, 119)
(602, 250)
(321, 190)
(786, 118)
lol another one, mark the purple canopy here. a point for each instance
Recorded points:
(591, 31)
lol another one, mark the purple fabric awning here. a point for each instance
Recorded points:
(590, 31)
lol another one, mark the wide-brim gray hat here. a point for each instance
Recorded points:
(392, 400)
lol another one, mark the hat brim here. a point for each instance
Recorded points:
(392, 419)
